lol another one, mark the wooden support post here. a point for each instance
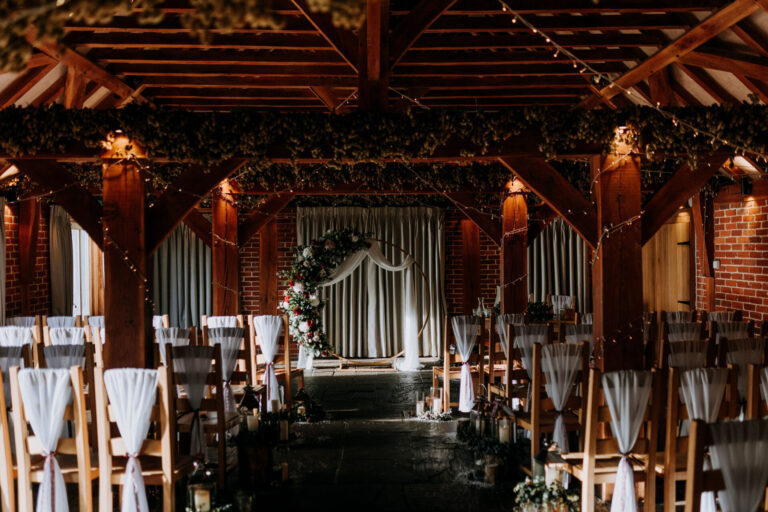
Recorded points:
(126, 269)
(703, 217)
(29, 226)
(470, 256)
(617, 281)
(268, 269)
(374, 57)
(514, 251)
(226, 262)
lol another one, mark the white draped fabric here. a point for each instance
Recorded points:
(9, 357)
(96, 321)
(561, 302)
(579, 333)
(268, 329)
(501, 322)
(738, 450)
(21, 321)
(11, 336)
(45, 394)
(682, 331)
(176, 336)
(157, 321)
(132, 393)
(61, 321)
(465, 330)
(688, 354)
(64, 356)
(561, 364)
(525, 337)
(741, 354)
(67, 335)
(192, 366)
(221, 321)
(732, 330)
(585, 319)
(230, 339)
(626, 393)
(676, 317)
(720, 316)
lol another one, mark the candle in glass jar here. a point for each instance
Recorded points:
(420, 408)
(436, 406)
(252, 422)
(202, 500)
(504, 431)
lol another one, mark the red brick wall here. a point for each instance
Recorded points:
(741, 245)
(40, 302)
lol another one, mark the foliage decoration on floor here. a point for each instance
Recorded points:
(314, 264)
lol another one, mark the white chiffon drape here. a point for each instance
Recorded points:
(221, 321)
(67, 335)
(688, 354)
(626, 393)
(230, 339)
(11, 336)
(764, 383)
(684, 331)
(732, 330)
(560, 364)
(176, 336)
(525, 337)
(21, 321)
(45, 395)
(192, 365)
(9, 357)
(501, 322)
(676, 317)
(465, 330)
(720, 316)
(96, 321)
(741, 354)
(64, 356)
(157, 321)
(61, 321)
(738, 450)
(561, 302)
(268, 329)
(132, 393)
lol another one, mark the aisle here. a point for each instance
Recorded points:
(367, 457)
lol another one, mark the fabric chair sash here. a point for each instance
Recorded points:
(64, 356)
(61, 321)
(192, 365)
(268, 329)
(561, 364)
(21, 321)
(221, 321)
(12, 336)
(465, 331)
(67, 335)
(687, 354)
(174, 335)
(683, 331)
(230, 339)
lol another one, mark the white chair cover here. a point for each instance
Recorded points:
(687, 354)
(561, 303)
(192, 366)
(45, 394)
(176, 336)
(525, 337)
(626, 393)
(501, 327)
(157, 321)
(732, 330)
(9, 357)
(586, 318)
(465, 330)
(96, 321)
(268, 329)
(67, 335)
(676, 317)
(579, 333)
(683, 331)
(230, 339)
(61, 321)
(12, 336)
(306, 358)
(702, 390)
(64, 356)
(738, 450)
(741, 354)
(103, 335)
(764, 383)
(720, 316)
(221, 321)
(561, 364)
(132, 393)
(20, 321)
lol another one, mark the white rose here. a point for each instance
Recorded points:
(298, 287)
(304, 327)
(314, 300)
(308, 252)
(355, 238)
(306, 263)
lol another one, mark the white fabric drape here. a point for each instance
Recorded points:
(676, 317)
(579, 333)
(221, 321)
(45, 394)
(60, 261)
(702, 390)
(720, 316)
(363, 314)
(738, 450)
(268, 329)
(230, 339)
(585, 319)
(560, 364)
(732, 330)
(61, 321)
(192, 366)
(465, 330)
(525, 337)
(21, 321)
(67, 335)
(561, 302)
(176, 336)
(683, 331)
(11, 336)
(96, 321)
(688, 354)
(157, 321)
(626, 393)
(132, 393)
(741, 354)
(501, 322)
(64, 356)
(9, 357)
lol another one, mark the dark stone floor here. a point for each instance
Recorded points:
(367, 456)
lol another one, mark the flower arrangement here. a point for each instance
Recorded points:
(539, 312)
(535, 494)
(313, 265)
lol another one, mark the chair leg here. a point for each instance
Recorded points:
(169, 496)
(222, 448)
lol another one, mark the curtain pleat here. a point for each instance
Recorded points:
(349, 304)
(558, 265)
(60, 242)
(182, 278)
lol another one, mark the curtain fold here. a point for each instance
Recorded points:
(417, 231)
(182, 277)
(61, 266)
(558, 263)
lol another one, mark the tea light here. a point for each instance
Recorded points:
(504, 431)
(420, 408)
(302, 410)
(252, 421)
(436, 406)
(202, 498)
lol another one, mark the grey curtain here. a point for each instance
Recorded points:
(182, 277)
(418, 232)
(62, 278)
(558, 264)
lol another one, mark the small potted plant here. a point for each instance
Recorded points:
(534, 495)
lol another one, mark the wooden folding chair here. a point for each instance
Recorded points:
(72, 453)
(215, 421)
(283, 363)
(673, 467)
(160, 463)
(243, 373)
(204, 325)
(497, 370)
(756, 405)
(452, 364)
(599, 461)
(161, 321)
(78, 320)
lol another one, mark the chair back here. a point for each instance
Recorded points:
(62, 321)
(676, 317)
(208, 322)
(452, 355)
(7, 484)
(170, 336)
(235, 361)
(64, 335)
(160, 321)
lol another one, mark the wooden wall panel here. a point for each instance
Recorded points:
(470, 237)
(667, 273)
(268, 263)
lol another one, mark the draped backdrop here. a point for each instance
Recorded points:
(419, 232)
(558, 264)
(182, 277)
(60, 261)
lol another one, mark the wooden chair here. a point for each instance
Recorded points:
(499, 367)
(673, 468)
(756, 404)
(77, 319)
(541, 415)
(239, 320)
(452, 364)
(599, 461)
(661, 349)
(72, 453)
(668, 317)
(160, 463)
(7, 469)
(283, 363)
(47, 334)
(243, 373)
(156, 347)
(159, 321)
(215, 421)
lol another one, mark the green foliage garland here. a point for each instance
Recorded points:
(313, 265)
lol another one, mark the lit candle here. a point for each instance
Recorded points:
(420, 408)
(202, 500)
(252, 421)
(504, 431)
(436, 409)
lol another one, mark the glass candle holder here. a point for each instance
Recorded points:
(437, 401)
(505, 431)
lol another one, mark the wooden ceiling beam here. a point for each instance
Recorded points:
(660, 88)
(408, 30)
(467, 204)
(709, 84)
(483, 70)
(710, 27)
(503, 41)
(223, 92)
(748, 32)
(188, 41)
(502, 22)
(213, 56)
(172, 24)
(245, 103)
(586, 7)
(451, 58)
(330, 99)
(200, 226)
(755, 86)
(74, 89)
(538, 220)
(343, 41)
(267, 82)
(232, 70)
(52, 93)
(685, 98)
(23, 83)
(373, 91)
(755, 67)
(261, 216)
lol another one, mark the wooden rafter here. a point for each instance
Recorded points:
(756, 67)
(373, 90)
(538, 220)
(547, 183)
(409, 29)
(693, 38)
(261, 216)
(709, 84)
(467, 203)
(23, 83)
(343, 41)
(200, 226)
(330, 99)
(74, 89)
(683, 184)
